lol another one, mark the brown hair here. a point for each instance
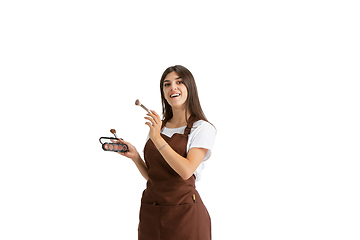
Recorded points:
(192, 101)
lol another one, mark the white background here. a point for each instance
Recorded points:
(278, 79)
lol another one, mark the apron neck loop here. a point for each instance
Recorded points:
(192, 119)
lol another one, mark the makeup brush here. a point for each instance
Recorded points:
(138, 103)
(113, 131)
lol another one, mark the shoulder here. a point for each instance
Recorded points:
(203, 126)
(202, 135)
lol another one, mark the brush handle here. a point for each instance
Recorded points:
(144, 108)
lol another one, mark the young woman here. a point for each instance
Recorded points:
(171, 208)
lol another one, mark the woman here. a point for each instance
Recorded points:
(171, 208)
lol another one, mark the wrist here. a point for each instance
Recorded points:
(136, 158)
(159, 142)
(156, 139)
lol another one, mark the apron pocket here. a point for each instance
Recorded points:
(179, 222)
(149, 224)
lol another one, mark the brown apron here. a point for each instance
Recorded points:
(171, 208)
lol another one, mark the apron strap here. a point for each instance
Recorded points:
(189, 126)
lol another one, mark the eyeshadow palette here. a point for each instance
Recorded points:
(113, 147)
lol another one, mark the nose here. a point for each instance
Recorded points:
(174, 86)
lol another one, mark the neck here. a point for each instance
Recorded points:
(179, 118)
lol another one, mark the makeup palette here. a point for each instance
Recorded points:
(113, 147)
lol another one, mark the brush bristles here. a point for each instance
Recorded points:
(138, 103)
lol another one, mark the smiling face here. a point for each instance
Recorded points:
(175, 91)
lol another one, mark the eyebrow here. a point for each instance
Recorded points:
(175, 79)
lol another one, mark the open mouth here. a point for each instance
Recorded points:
(175, 95)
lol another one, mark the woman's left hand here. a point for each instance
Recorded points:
(154, 125)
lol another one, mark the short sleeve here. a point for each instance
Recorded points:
(202, 135)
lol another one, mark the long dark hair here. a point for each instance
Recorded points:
(192, 101)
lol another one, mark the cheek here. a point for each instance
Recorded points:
(165, 94)
(184, 92)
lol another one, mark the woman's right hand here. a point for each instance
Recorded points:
(132, 153)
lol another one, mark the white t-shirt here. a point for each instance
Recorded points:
(202, 135)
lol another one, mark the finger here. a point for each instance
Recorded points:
(152, 122)
(149, 124)
(154, 115)
(121, 141)
(157, 117)
(117, 141)
(124, 142)
(150, 114)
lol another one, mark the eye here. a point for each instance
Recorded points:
(180, 82)
(167, 84)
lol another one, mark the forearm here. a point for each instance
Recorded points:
(181, 165)
(185, 167)
(140, 164)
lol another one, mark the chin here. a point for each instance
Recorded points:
(177, 104)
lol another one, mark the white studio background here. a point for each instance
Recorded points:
(278, 79)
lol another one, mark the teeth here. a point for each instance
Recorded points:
(175, 95)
